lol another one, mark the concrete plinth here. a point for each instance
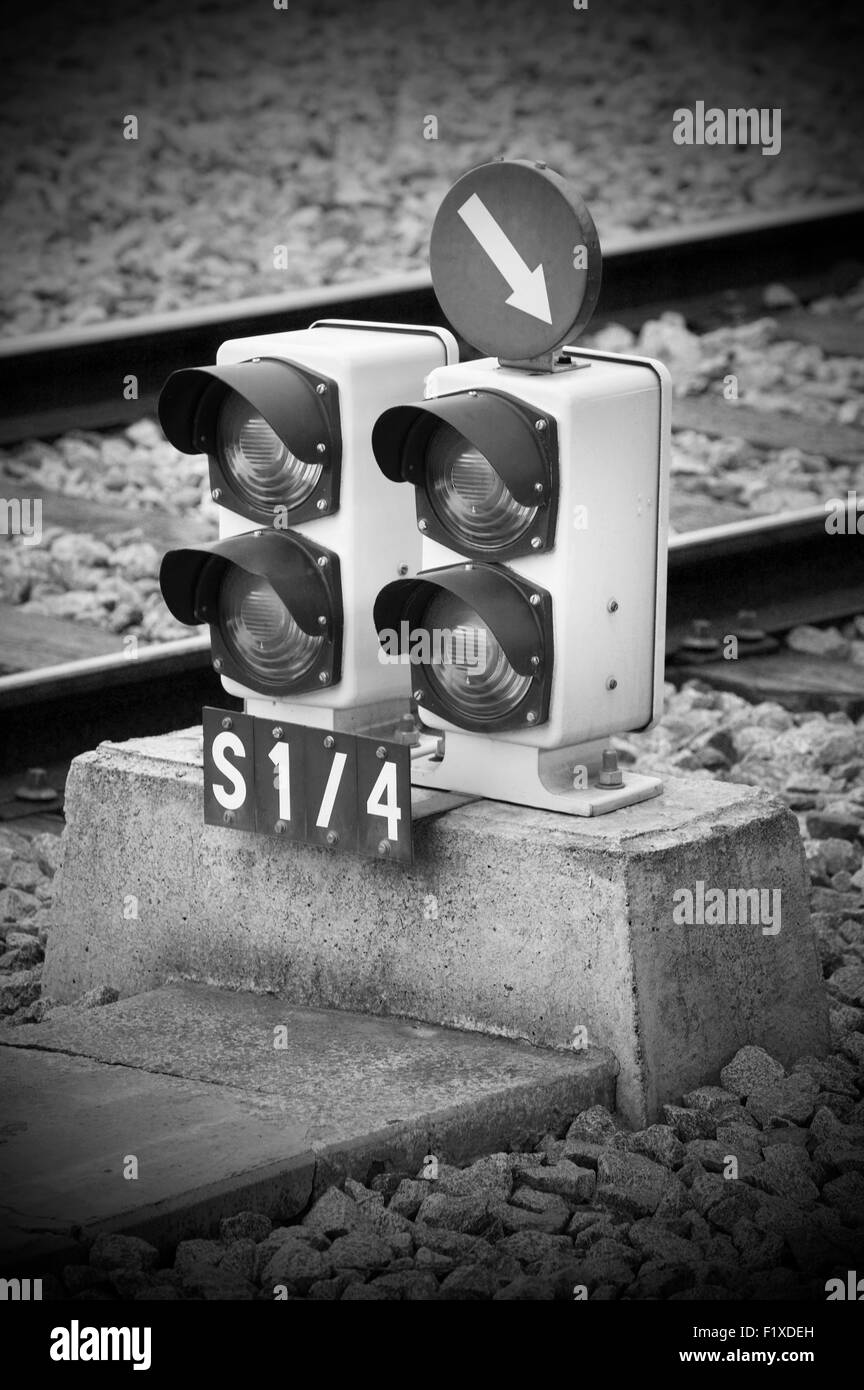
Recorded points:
(514, 922)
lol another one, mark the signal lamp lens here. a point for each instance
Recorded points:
(469, 671)
(469, 497)
(260, 633)
(264, 472)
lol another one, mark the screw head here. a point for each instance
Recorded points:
(320, 447)
(278, 731)
(418, 695)
(322, 620)
(329, 741)
(280, 827)
(322, 562)
(401, 569)
(321, 504)
(472, 393)
(321, 388)
(227, 723)
(380, 752)
(540, 425)
(217, 663)
(531, 717)
(535, 661)
(534, 600)
(228, 817)
(216, 493)
(332, 837)
(536, 542)
(323, 677)
(422, 524)
(611, 683)
(383, 848)
(538, 487)
(612, 606)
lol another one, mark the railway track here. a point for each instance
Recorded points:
(64, 685)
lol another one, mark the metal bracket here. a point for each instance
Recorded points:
(546, 362)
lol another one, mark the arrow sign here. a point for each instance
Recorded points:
(528, 286)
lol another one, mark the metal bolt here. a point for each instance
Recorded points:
(747, 627)
(258, 535)
(531, 717)
(418, 695)
(612, 606)
(422, 524)
(321, 388)
(216, 493)
(536, 542)
(540, 425)
(535, 661)
(381, 751)
(36, 786)
(278, 731)
(401, 569)
(322, 621)
(320, 448)
(539, 163)
(280, 827)
(383, 848)
(217, 663)
(322, 562)
(611, 683)
(610, 774)
(332, 837)
(227, 723)
(321, 504)
(538, 487)
(323, 677)
(228, 817)
(534, 600)
(699, 638)
(329, 741)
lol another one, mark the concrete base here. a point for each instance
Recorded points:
(511, 921)
(187, 1080)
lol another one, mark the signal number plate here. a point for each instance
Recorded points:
(341, 791)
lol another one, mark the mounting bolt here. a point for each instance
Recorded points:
(321, 504)
(610, 774)
(280, 827)
(418, 695)
(332, 837)
(227, 723)
(612, 606)
(538, 487)
(747, 628)
(535, 661)
(540, 425)
(534, 600)
(322, 620)
(320, 448)
(699, 638)
(321, 388)
(402, 569)
(216, 493)
(381, 751)
(322, 562)
(228, 817)
(329, 741)
(278, 731)
(36, 786)
(531, 717)
(536, 542)
(611, 683)
(323, 677)
(217, 663)
(422, 523)
(383, 848)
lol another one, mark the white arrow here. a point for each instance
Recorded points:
(528, 286)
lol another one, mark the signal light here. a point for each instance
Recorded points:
(310, 530)
(486, 476)
(274, 604)
(535, 625)
(271, 430)
(489, 650)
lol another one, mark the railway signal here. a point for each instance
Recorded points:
(534, 629)
(309, 531)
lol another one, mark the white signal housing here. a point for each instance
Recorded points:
(606, 572)
(374, 530)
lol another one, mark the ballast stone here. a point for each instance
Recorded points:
(511, 921)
